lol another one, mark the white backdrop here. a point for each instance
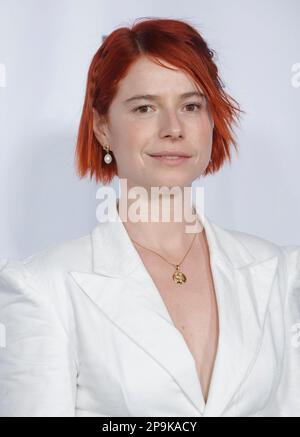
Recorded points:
(46, 47)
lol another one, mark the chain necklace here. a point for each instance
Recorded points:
(178, 276)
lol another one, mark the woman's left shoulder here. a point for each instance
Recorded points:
(292, 258)
(288, 395)
(287, 398)
(261, 248)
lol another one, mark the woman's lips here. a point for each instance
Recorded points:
(170, 160)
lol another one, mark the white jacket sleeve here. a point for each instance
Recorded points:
(37, 367)
(289, 392)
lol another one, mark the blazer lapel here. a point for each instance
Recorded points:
(121, 287)
(242, 289)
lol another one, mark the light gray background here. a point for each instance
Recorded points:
(46, 48)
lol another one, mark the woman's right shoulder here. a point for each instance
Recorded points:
(36, 289)
(37, 345)
(56, 259)
(43, 276)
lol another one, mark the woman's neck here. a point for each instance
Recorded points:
(165, 227)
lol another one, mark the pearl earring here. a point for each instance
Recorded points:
(107, 157)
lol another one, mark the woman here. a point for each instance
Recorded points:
(142, 318)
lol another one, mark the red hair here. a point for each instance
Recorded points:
(174, 41)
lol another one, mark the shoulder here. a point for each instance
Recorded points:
(240, 244)
(253, 243)
(292, 257)
(37, 334)
(288, 260)
(51, 262)
(58, 258)
(41, 279)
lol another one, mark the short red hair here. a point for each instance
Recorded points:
(174, 41)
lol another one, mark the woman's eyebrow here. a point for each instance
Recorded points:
(153, 97)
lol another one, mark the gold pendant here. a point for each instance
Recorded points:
(178, 276)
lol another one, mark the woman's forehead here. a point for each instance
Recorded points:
(155, 82)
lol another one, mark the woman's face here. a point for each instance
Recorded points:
(137, 128)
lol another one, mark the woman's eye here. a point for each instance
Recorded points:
(140, 109)
(194, 104)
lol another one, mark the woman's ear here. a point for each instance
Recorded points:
(100, 128)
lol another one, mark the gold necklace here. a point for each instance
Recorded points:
(178, 276)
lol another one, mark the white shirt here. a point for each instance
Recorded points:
(88, 334)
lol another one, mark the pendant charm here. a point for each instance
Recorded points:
(178, 276)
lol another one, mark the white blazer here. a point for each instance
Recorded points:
(88, 334)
